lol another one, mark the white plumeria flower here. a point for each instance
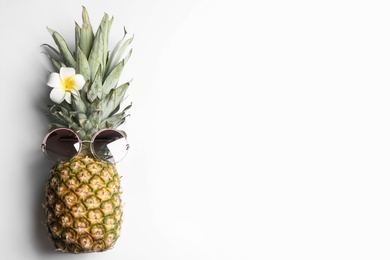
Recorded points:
(64, 84)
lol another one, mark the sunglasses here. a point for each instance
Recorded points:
(62, 144)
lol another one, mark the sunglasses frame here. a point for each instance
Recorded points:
(43, 145)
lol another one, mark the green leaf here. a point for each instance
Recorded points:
(57, 64)
(95, 112)
(127, 107)
(82, 64)
(77, 33)
(105, 28)
(95, 117)
(95, 58)
(118, 52)
(86, 124)
(112, 80)
(63, 48)
(83, 92)
(54, 57)
(53, 126)
(114, 121)
(113, 100)
(61, 114)
(123, 49)
(86, 34)
(52, 49)
(78, 104)
(117, 109)
(95, 90)
(60, 118)
(113, 53)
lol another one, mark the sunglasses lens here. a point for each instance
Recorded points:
(61, 145)
(110, 145)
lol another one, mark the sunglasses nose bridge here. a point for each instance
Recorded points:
(85, 141)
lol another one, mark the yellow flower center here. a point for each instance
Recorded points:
(68, 84)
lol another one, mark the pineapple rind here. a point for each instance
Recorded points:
(83, 208)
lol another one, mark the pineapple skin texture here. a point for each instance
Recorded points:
(83, 205)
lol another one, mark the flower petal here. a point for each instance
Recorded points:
(66, 72)
(57, 95)
(54, 80)
(79, 81)
(67, 97)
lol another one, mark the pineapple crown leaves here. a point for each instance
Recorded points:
(98, 103)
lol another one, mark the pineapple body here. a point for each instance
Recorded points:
(83, 205)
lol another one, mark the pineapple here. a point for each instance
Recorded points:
(83, 195)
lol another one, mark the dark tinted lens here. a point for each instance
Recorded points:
(61, 145)
(110, 145)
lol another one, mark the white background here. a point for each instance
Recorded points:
(259, 129)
